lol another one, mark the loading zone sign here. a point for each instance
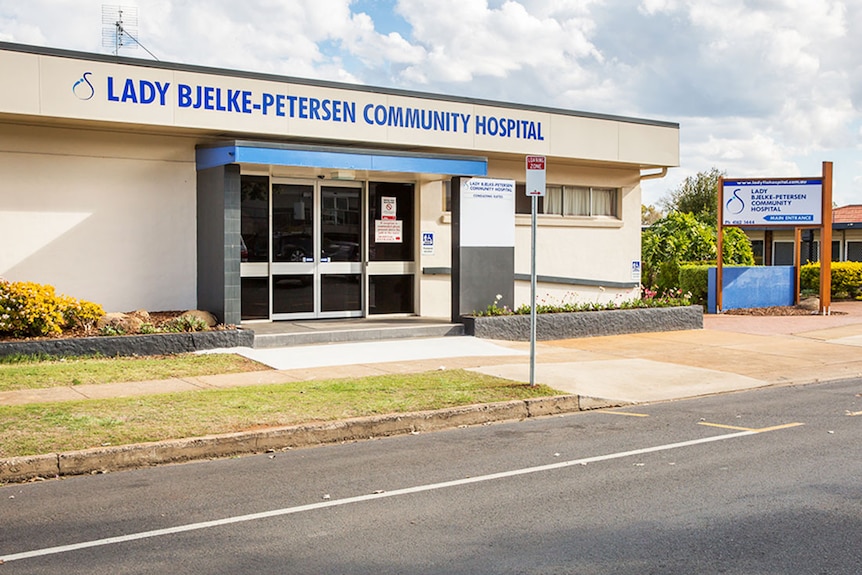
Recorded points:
(536, 176)
(772, 202)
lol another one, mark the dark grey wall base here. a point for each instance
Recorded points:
(484, 274)
(551, 326)
(156, 344)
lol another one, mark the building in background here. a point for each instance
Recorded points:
(775, 247)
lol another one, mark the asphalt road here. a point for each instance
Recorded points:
(766, 481)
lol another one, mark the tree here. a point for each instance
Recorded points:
(697, 195)
(682, 238)
(687, 234)
(678, 237)
(650, 215)
(736, 247)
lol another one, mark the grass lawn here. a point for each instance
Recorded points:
(65, 426)
(32, 373)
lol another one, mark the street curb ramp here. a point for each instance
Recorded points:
(105, 459)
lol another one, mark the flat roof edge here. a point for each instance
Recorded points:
(362, 151)
(107, 58)
(337, 158)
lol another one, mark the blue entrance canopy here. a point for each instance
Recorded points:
(338, 158)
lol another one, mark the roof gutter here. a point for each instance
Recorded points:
(655, 175)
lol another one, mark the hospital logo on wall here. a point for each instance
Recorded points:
(83, 88)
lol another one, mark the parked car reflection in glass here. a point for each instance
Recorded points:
(292, 247)
(341, 251)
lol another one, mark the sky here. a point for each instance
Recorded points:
(760, 88)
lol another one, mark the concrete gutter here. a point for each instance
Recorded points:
(105, 459)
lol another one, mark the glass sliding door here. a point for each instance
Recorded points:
(305, 259)
(340, 266)
(293, 260)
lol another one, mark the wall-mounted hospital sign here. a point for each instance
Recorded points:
(779, 202)
(487, 213)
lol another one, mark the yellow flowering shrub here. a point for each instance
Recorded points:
(80, 313)
(31, 309)
(846, 278)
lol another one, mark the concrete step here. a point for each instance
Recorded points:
(270, 340)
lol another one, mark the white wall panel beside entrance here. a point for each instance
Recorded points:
(102, 216)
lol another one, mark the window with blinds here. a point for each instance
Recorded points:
(561, 200)
(581, 201)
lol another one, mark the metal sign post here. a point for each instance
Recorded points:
(535, 190)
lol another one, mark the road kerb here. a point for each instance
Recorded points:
(26, 467)
(115, 458)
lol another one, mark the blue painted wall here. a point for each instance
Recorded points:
(759, 286)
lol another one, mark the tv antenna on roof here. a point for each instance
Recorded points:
(120, 28)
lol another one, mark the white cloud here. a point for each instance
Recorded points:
(16, 31)
(278, 37)
(655, 6)
(759, 86)
(377, 50)
(467, 40)
(782, 88)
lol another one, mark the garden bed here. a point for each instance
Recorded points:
(551, 326)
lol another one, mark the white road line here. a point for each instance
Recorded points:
(360, 498)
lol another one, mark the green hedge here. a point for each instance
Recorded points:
(694, 279)
(846, 279)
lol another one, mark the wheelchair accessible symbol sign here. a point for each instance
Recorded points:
(427, 243)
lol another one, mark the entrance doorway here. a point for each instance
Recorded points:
(302, 249)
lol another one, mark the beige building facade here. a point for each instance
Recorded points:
(140, 184)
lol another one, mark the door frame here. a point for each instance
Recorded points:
(316, 269)
(324, 268)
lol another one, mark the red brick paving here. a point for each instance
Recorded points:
(844, 313)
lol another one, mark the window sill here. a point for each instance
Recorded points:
(556, 221)
(545, 220)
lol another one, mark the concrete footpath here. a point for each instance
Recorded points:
(731, 353)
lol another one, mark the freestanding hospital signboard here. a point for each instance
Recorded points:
(773, 202)
(780, 202)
